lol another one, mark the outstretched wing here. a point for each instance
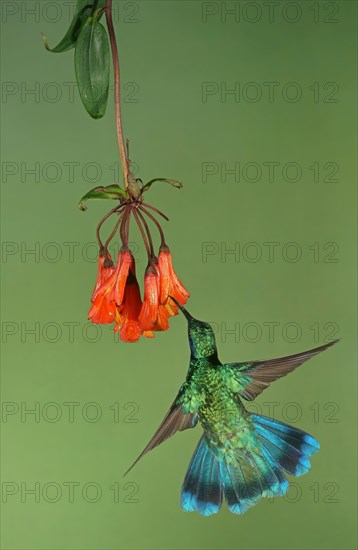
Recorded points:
(174, 421)
(256, 376)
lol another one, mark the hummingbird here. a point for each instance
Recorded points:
(241, 457)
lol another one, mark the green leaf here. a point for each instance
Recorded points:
(115, 188)
(92, 60)
(109, 192)
(175, 183)
(84, 10)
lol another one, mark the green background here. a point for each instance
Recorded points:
(168, 53)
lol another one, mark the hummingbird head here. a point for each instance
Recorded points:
(201, 335)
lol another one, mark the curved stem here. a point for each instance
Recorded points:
(144, 222)
(126, 226)
(159, 227)
(155, 210)
(122, 231)
(114, 231)
(144, 236)
(117, 92)
(115, 209)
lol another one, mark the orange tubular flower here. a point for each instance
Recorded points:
(127, 323)
(105, 270)
(109, 293)
(153, 315)
(170, 285)
(113, 288)
(149, 312)
(102, 311)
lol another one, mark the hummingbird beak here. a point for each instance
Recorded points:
(182, 309)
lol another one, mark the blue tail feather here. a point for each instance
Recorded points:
(189, 489)
(251, 476)
(292, 434)
(284, 454)
(201, 489)
(273, 480)
(209, 493)
(240, 493)
(288, 446)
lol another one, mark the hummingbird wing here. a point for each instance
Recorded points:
(174, 421)
(255, 376)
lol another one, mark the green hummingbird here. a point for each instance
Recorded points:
(240, 456)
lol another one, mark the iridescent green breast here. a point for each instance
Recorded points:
(211, 394)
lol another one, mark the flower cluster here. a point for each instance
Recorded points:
(117, 297)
